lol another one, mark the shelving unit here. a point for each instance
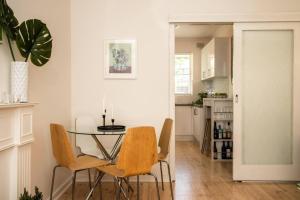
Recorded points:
(220, 112)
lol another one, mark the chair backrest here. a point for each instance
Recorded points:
(85, 143)
(138, 152)
(61, 146)
(165, 136)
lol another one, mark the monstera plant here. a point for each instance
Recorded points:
(34, 42)
(8, 23)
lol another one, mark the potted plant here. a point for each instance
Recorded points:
(33, 41)
(26, 196)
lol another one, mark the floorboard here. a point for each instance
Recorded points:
(200, 178)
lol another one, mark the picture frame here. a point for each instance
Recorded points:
(120, 59)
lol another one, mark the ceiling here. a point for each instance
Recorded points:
(195, 30)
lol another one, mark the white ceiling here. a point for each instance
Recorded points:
(195, 30)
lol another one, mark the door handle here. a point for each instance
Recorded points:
(236, 98)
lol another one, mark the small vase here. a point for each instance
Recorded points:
(19, 82)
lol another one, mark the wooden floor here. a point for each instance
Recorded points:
(199, 178)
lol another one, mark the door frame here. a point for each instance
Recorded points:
(208, 18)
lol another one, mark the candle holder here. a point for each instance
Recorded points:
(103, 119)
(112, 122)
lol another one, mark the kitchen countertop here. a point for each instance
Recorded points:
(189, 105)
(219, 99)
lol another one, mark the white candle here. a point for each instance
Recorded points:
(112, 111)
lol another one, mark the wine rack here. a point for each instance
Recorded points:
(220, 113)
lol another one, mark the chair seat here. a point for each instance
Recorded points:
(87, 162)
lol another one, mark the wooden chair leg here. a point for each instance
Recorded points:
(161, 176)
(52, 183)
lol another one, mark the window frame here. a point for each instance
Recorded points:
(191, 74)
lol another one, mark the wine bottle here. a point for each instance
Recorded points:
(228, 151)
(224, 133)
(229, 133)
(223, 150)
(215, 151)
(215, 131)
(220, 132)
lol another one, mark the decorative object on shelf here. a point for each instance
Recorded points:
(19, 81)
(26, 196)
(33, 40)
(120, 59)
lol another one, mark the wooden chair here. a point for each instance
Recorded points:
(164, 144)
(63, 153)
(137, 156)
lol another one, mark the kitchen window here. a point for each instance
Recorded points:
(183, 74)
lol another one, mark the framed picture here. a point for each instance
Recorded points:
(120, 59)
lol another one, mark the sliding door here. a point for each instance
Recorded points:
(266, 101)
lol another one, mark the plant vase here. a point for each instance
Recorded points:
(19, 82)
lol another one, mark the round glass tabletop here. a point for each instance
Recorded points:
(97, 131)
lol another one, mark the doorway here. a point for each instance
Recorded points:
(260, 169)
(203, 83)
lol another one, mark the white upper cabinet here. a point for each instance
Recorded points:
(215, 58)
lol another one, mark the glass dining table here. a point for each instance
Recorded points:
(107, 131)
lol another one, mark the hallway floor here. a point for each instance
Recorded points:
(200, 178)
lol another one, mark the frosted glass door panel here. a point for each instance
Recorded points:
(267, 97)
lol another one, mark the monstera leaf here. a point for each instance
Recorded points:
(8, 21)
(34, 40)
(1, 14)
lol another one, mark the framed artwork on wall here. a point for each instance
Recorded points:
(120, 59)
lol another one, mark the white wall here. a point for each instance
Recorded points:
(49, 85)
(145, 100)
(142, 101)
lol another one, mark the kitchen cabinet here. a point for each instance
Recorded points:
(216, 58)
(183, 123)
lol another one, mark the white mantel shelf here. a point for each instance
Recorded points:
(16, 137)
(16, 105)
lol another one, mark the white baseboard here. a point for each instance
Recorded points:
(59, 191)
(184, 137)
